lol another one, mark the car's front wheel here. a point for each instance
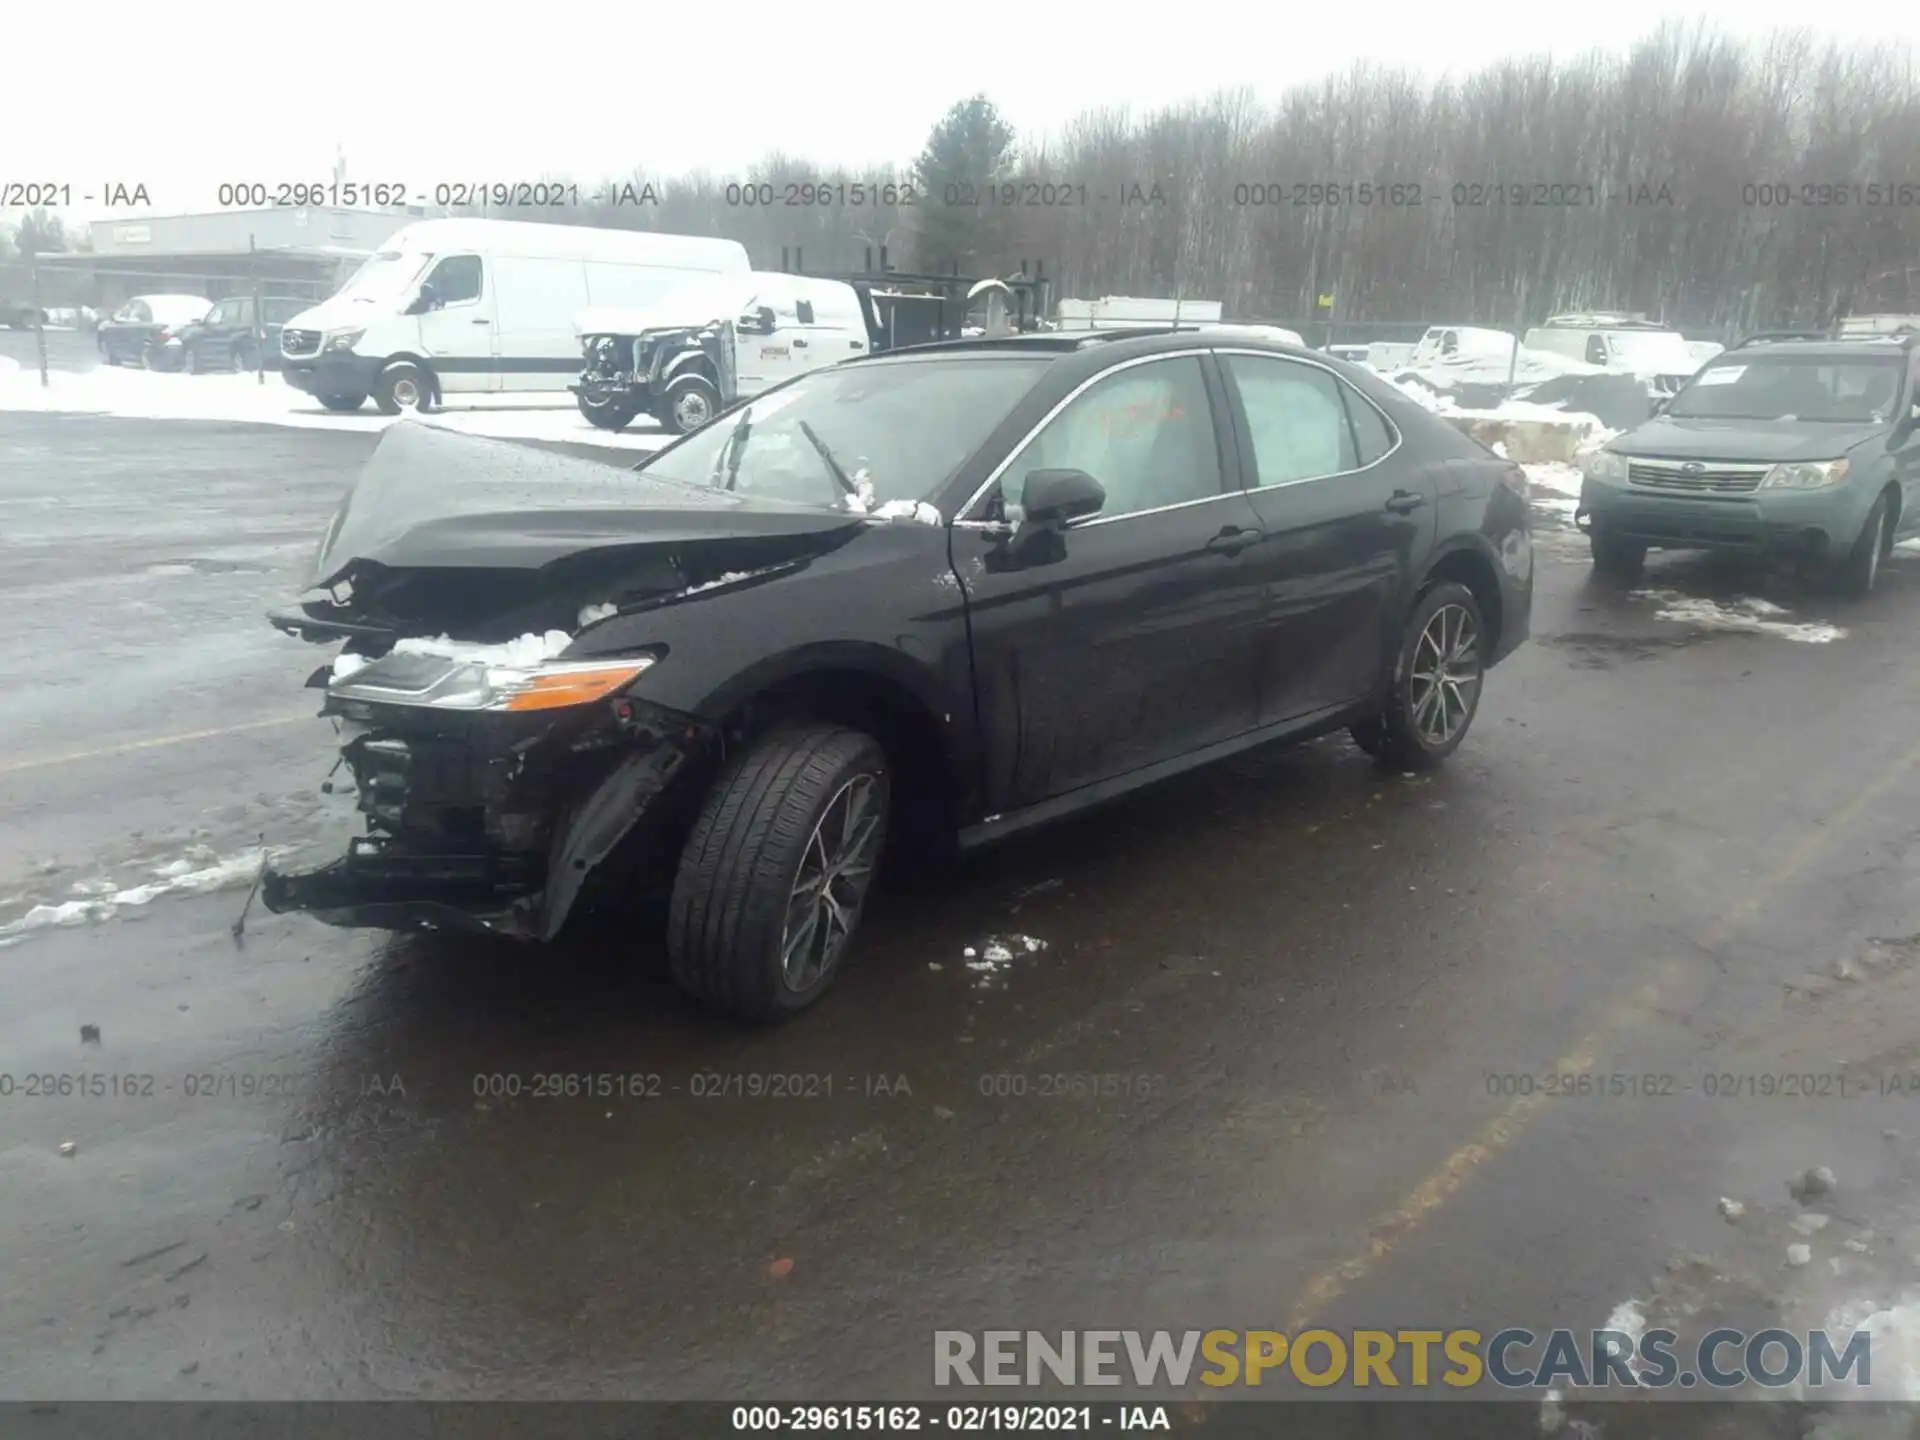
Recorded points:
(402, 386)
(1436, 682)
(690, 402)
(775, 874)
(1856, 574)
(609, 414)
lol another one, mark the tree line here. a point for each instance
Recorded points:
(1718, 183)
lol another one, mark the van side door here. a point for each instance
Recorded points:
(534, 301)
(456, 335)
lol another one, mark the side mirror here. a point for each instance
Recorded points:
(1055, 497)
(426, 300)
(756, 322)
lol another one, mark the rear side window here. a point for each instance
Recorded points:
(456, 279)
(1296, 417)
(1371, 432)
(1596, 350)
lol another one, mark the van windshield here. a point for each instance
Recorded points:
(1653, 351)
(385, 277)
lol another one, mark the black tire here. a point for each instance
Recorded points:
(1615, 556)
(1405, 734)
(690, 402)
(613, 415)
(727, 927)
(403, 386)
(1854, 576)
(344, 404)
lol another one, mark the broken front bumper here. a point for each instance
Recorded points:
(496, 823)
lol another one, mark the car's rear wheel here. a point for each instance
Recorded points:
(1855, 576)
(774, 876)
(343, 403)
(1617, 556)
(1437, 681)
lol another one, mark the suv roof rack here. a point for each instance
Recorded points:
(1602, 320)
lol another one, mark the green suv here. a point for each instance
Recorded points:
(1801, 448)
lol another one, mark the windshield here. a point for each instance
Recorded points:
(897, 431)
(1858, 390)
(1658, 350)
(385, 277)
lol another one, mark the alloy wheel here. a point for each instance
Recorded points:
(406, 393)
(831, 884)
(1445, 675)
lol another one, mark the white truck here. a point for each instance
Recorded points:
(1621, 344)
(708, 344)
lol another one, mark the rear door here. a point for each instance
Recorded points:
(1133, 641)
(457, 334)
(1349, 519)
(534, 301)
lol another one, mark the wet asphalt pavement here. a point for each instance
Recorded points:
(1293, 986)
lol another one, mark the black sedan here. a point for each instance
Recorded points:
(226, 337)
(904, 604)
(123, 339)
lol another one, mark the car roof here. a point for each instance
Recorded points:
(1820, 349)
(1128, 342)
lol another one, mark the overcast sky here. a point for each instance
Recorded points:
(186, 94)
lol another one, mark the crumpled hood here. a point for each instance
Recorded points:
(1671, 438)
(433, 498)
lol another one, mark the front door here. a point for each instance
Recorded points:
(457, 334)
(1133, 639)
(1349, 520)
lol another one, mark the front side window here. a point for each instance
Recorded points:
(225, 313)
(456, 280)
(1145, 433)
(1296, 417)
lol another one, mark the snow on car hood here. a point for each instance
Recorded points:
(1680, 438)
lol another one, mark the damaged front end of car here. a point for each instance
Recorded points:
(498, 762)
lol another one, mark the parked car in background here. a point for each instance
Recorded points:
(1626, 345)
(1800, 448)
(1353, 354)
(20, 315)
(480, 306)
(929, 599)
(226, 337)
(123, 339)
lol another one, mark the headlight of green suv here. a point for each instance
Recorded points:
(1815, 475)
(1606, 465)
(344, 339)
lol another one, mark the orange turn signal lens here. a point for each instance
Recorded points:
(554, 687)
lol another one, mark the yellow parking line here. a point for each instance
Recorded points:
(1431, 1194)
(42, 762)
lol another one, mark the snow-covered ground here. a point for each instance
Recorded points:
(150, 395)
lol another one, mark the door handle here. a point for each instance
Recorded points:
(478, 321)
(856, 344)
(1232, 539)
(799, 344)
(1401, 501)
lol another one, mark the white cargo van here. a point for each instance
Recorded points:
(1625, 345)
(479, 307)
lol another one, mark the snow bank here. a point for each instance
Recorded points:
(241, 399)
(1746, 615)
(909, 510)
(594, 614)
(199, 872)
(521, 653)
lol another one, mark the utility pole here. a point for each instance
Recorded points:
(39, 325)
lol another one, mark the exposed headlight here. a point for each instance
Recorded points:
(1814, 475)
(444, 684)
(1606, 465)
(345, 339)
